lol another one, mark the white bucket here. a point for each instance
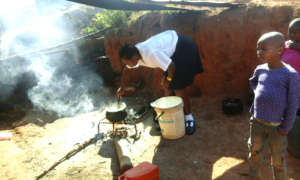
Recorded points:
(171, 117)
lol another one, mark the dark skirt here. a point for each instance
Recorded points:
(187, 63)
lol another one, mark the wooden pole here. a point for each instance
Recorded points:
(122, 147)
(56, 48)
(68, 156)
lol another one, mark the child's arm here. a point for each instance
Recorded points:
(253, 83)
(292, 104)
(295, 46)
(253, 80)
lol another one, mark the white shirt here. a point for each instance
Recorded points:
(157, 50)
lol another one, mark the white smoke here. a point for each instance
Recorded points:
(60, 95)
(59, 92)
(27, 25)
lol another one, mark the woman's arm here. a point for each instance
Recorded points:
(171, 70)
(125, 77)
(124, 81)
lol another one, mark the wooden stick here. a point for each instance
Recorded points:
(67, 156)
(122, 148)
(64, 45)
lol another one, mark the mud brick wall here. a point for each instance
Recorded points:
(226, 41)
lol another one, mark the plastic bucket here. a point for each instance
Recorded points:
(170, 116)
(144, 171)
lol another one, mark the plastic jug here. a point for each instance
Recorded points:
(144, 171)
(170, 115)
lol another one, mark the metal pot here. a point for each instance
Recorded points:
(232, 106)
(116, 112)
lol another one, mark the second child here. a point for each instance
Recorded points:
(276, 87)
(291, 54)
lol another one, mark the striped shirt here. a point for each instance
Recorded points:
(276, 95)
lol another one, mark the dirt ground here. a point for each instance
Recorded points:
(217, 150)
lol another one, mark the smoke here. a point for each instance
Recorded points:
(61, 85)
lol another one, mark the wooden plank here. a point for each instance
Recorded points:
(122, 147)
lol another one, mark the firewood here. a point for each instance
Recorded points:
(122, 147)
(67, 156)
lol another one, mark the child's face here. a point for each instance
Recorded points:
(266, 52)
(294, 33)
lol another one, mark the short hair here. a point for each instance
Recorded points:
(295, 22)
(127, 51)
(275, 38)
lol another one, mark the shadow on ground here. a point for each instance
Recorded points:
(217, 151)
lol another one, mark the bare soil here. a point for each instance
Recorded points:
(217, 150)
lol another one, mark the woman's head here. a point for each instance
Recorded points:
(294, 30)
(129, 55)
(270, 46)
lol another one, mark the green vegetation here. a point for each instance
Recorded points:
(110, 18)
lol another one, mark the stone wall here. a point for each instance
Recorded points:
(226, 41)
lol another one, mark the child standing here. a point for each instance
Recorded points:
(291, 54)
(276, 89)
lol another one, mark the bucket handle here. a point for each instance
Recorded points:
(157, 117)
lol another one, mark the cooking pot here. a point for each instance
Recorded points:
(116, 112)
(232, 106)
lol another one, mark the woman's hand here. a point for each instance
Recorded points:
(171, 70)
(165, 83)
(120, 92)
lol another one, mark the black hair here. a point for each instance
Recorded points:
(276, 38)
(127, 51)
